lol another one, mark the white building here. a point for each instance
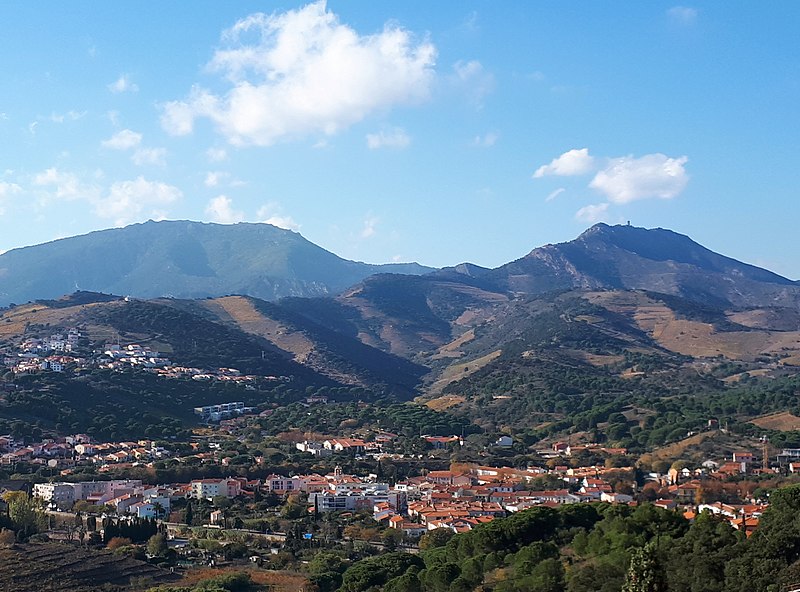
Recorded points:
(60, 494)
(208, 488)
(365, 500)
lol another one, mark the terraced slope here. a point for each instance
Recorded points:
(52, 567)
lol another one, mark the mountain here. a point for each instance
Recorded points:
(183, 259)
(656, 260)
(416, 316)
(560, 338)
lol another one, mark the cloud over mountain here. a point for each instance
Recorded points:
(304, 72)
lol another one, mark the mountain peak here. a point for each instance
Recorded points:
(654, 259)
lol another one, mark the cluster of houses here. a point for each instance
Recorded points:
(68, 452)
(358, 446)
(56, 354)
(124, 497)
(47, 354)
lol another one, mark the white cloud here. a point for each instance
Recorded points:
(368, 231)
(304, 72)
(554, 194)
(123, 201)
(270, 214)
(123, 84)
(123, 140)
(593, 213)
(628, 179)
(389, 138)
(213, 178)
(127, 201)
(487, 140)
(682, 15)
(216, 154)
(220, 209)
(7, 190)
(154, 156)
(473, 79)
(571, 163)
(68, 116)
(66, 185)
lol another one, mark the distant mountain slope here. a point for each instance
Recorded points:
(184, 260)
(656, 260)
(416, 317)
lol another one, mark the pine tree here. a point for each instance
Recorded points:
(644, 573)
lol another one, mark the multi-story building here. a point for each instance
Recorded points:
(208, 488)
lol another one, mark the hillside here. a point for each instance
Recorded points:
(182, 259)
(113, 399)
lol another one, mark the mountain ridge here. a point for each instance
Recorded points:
(182, 259)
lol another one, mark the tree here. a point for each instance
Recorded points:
(644, 573)
(391, 538)
(159, 510)
(188, 513)
(26, 513)
(221, 502)
(157, 545)
(437, 537)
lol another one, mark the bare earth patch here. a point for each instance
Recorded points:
(783, 422)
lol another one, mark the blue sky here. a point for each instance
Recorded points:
(439, 132)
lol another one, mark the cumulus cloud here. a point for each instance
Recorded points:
(154, 156)
(220, 209)
(304, 72)
(473, 79)
(554, 194)
(123, 140)
(628, 179)
(682, 15)
(593, 213)
(213, 178)
(127, 201)
(68, 116)
(7, 189)
(122, 201)
(389, 138)
(571, 163)
(64, 184)
(270, 214)
(123, 84)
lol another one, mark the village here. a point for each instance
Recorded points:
(71, 352)
(458, 499)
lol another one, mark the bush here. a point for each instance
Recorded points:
(7, 537)
(117, 542)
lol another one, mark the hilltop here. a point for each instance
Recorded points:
(182, 259)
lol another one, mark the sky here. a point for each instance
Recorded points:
(437, 132)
